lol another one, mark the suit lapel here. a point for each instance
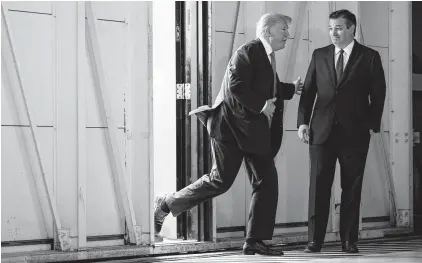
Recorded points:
(269, 67)
(329, 60)
(264, 55)
(356, 52)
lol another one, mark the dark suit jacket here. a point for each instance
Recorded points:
(357, 101)
(247, 84)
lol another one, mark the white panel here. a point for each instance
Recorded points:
(103, 215)
(253, 11)
(35, 62)
(67, 166)
(112, 10)
(113, 45)
(285, 8)
(292, 164)
(26, 214)
(225, 15)
(374, 22)
(164, 104)
(221, 57)
(231, 206)
(8, 107)
(349, 5)
(318, 25)
(141, 121)
(401, 94)
(300, 68)
(29, 6)
(375, 201)
(13, 108)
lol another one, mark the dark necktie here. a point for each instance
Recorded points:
(272, 55)
(339, 66)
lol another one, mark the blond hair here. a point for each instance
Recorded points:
(268, 20)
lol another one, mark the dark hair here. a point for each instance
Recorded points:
(347, 15)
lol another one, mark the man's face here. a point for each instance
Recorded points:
(278, 35)
(339, 33)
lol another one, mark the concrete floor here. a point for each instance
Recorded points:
(398, 251)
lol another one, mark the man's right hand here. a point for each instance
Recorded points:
(269, 108)
(303, 133)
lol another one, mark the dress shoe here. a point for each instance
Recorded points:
(159, 215)
(349, 248)
(260, 248)
(313, 247)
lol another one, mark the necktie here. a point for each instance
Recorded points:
(339, 66)
(272, 55)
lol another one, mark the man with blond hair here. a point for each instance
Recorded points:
(245, 123)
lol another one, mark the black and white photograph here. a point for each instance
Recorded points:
(211, 131)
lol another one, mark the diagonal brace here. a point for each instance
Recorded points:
(63, 234)
(119, 175)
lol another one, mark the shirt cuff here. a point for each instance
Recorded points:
(265, 105)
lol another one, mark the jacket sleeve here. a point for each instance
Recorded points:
(286, 89)
(377, 94)
(308, 95)
(240, 79)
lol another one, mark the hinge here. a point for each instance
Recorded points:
(183, 91)
(416, 137)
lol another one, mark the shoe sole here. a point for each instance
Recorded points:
(251, 253)
(310, 251)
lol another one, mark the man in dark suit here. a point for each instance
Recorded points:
(349, 80)
(249, 103)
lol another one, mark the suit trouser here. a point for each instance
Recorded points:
(352, 159)
(227, 159)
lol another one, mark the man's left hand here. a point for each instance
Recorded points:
(298, 86)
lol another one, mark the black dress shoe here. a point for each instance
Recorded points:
(260, 248)
(349, 248)
(353, 249)
(313, 247)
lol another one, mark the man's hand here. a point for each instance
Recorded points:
(303, 133)
(269, 108)
(298, 86)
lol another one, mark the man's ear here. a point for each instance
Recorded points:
(268, 32)
(353, 28)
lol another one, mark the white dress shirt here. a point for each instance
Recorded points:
(346, 54)
(268, 50)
